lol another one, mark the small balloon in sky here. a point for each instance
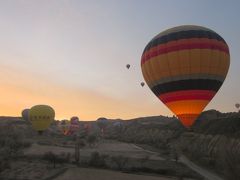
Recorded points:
(128, 66)
(142, 84)
(237, 105)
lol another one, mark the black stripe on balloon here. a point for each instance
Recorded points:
(183, 35)
(191, 84)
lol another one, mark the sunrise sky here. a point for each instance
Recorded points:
(71, 54)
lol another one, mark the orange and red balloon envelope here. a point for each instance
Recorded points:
(184, 67)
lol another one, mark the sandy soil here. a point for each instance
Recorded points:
(93, 174)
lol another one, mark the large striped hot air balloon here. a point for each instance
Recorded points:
(184, 67)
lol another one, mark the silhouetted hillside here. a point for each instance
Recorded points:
(214, 122)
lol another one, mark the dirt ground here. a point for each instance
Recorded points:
(97, 174)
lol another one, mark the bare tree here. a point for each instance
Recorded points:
(78, 145)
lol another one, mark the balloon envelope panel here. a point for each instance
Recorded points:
(184, 67)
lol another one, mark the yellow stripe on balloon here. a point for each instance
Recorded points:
(184, 62)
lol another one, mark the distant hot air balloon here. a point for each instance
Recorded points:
(64, 126)
(237, 105)
(25, 114)
(128, 66)
(41, 116)
(184, 67)
(74, 125)
(142, 84)
(102, 123)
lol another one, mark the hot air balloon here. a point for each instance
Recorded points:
(184, 67)
(237, 105)
(25, 114)
(41, 116)
(102, 123)
(142, 84)
(128, 66)
(74, 125)
(64, 126)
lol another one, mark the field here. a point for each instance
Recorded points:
(32, 166)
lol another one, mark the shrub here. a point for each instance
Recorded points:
(91, 139)
(56, 159)
(11, 143)
(98, 160)
(120, 161)
(144, 160)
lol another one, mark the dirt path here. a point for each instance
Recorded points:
(153, 154)
(93, 174)
(205, 173)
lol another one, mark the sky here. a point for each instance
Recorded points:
(71, 54)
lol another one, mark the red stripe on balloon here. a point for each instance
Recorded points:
(164, 49)
(187, 95)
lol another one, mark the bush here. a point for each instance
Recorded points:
(50, 157)
(11, 143)
(91, 139)
(144, 160)
(120, 161)
(56, 159)
(98, 160)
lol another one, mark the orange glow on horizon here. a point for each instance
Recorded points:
(21, 90)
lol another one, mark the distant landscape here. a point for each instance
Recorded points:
(143, 148)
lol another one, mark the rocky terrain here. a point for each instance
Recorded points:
(153, 145)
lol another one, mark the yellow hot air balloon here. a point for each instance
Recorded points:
(41, 116)
(185, 66)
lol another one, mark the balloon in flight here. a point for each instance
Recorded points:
(128, 66)
(184, 67)
(142, 84)
(25, 114)
(64, 126)
(74, 125)
(102, 123)
(41, 116)
(237, 105)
